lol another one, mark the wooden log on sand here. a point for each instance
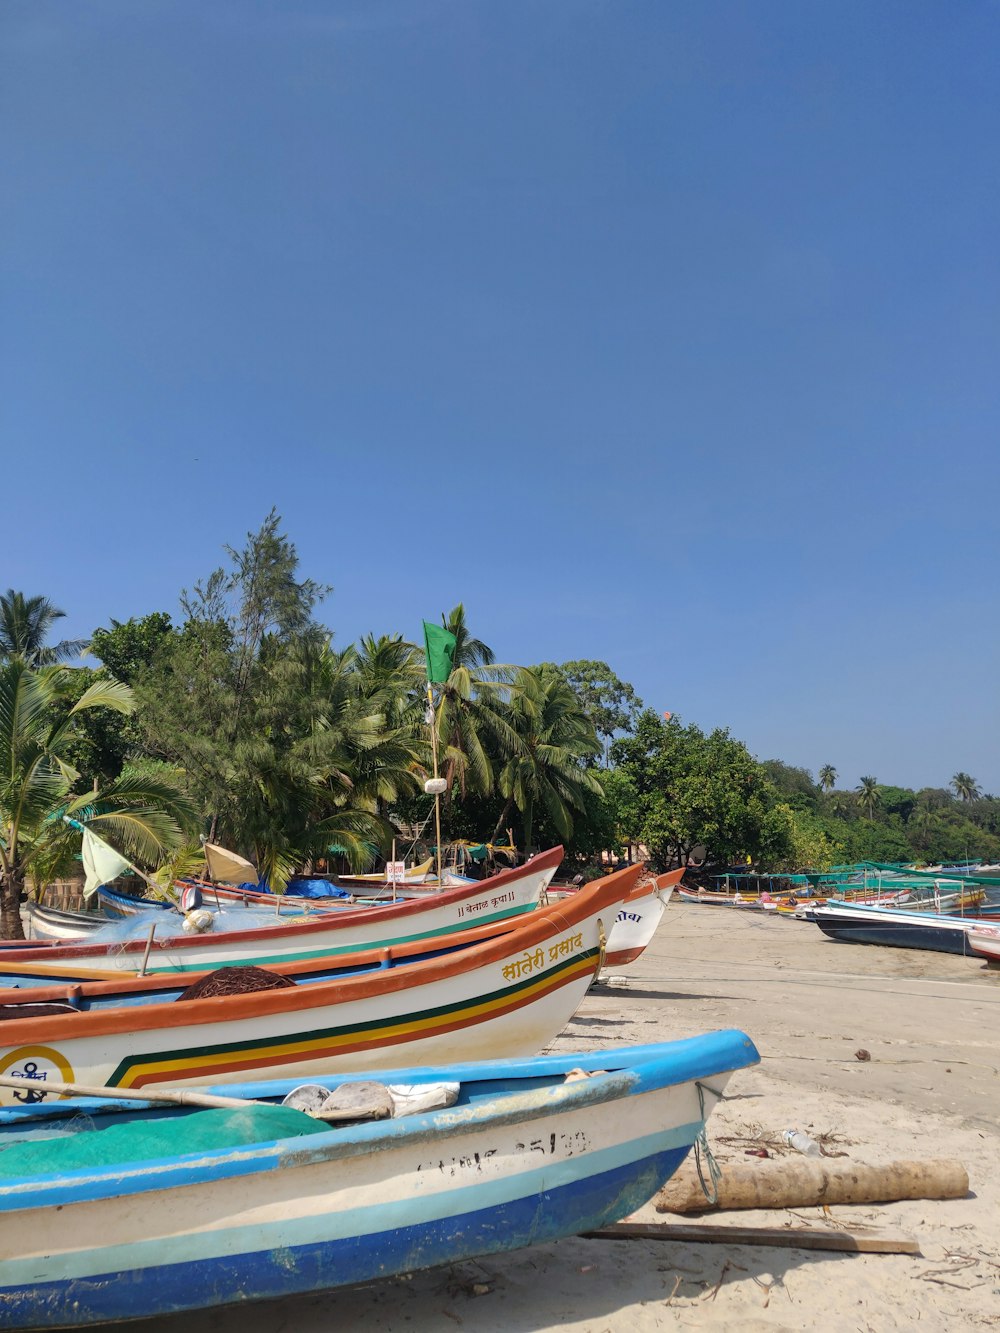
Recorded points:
(807, 1181)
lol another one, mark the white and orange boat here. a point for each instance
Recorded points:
(501, 990)
(347, 930)
(638, 917)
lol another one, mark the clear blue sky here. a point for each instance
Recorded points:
(664, 333)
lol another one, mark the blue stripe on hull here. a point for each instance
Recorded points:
(267, 1275)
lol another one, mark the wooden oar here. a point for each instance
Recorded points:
(176, 1096)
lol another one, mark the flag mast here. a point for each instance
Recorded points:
(439, 645)
(436, 783)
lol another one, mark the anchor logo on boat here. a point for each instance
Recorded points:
(30, 1071)
(35, 1065)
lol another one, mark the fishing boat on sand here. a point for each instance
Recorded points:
(894, 927)
(505, 989)
(984, 939)
(349, 930)
(638, 917)
(165, 1209)
(708, 898)
(52, 923)
(124, 906)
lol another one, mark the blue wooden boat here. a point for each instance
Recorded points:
(159, 1210)
(895, 928)
(118, 906)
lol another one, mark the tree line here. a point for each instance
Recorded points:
(244, 722)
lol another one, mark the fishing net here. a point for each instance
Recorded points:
(235, 981)
(165, 1134)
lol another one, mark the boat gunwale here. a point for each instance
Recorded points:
(401, 909)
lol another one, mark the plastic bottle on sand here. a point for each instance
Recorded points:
(802, 1143)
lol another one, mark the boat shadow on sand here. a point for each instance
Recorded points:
(603, 992)
(550, 1285)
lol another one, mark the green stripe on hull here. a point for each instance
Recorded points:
(308, 955)
(277, 1043)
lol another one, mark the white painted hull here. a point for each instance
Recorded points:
(508, 996)
(985, 940)
(350, 931)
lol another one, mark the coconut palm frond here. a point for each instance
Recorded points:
(187, 862)
(145, 836)
(106, 694)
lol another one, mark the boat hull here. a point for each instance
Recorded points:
(507, 996)
(897, 930)
(638, 919)
(304, 1215)
(347, 931)
(708, 899)
(48, 923)
(986, 943)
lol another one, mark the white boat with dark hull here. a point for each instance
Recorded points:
(895, 928)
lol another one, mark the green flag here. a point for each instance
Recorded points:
(440, 645)
(101, 863)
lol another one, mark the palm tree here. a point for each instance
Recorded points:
(555, 741)
(966, 787)
(328, 754)
(390, 675)
(868, 794)
(923, 827)
(366, 736)
(25, 623)
(471, 726)
(828, 777)
(36, 732)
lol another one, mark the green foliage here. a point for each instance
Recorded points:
(39, 718)
(286, 744)
(473, 730)
(128, 648)
(966, 788)
(554, 739)
(684, 788)
(870, 840)
(869, 795)
(611, 704)
(897, 801)
(810, 845)
(252, 727)
(794, 784)
(25, 623)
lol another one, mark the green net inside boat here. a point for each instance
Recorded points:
(158, 1137)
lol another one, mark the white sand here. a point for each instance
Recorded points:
(931, 1089)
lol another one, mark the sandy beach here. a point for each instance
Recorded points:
(931, 1023)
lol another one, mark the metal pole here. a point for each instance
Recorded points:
(437, 797)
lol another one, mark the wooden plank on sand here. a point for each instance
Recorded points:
(790, 1238)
